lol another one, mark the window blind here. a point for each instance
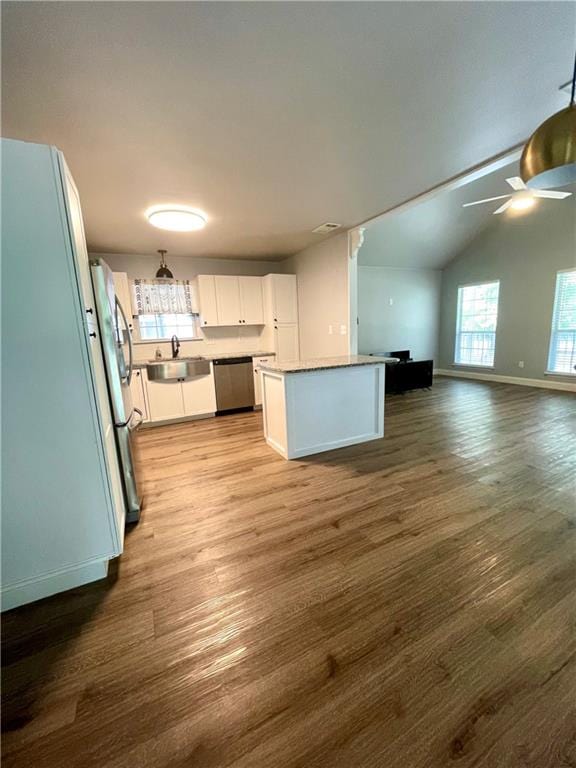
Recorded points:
(562, 354)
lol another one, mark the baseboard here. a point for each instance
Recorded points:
(566, 386)
(59, 581)
(178, 420)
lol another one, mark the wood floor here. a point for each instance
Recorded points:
(407, 603)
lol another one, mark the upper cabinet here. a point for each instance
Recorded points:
(206, 289)
(281, 298)
(251, 300)
(230, 300)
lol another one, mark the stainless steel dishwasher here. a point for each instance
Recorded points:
(234, 380)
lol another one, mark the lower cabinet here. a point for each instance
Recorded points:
(165, 400)
(199, 395)
(176, 399)
(256, 361)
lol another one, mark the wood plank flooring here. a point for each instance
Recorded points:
(406, 603)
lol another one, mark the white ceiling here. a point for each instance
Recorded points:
(273, 117)
(429, 234)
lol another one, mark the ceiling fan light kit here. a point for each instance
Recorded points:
(549, 157)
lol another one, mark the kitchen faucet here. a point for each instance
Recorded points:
(175, 341)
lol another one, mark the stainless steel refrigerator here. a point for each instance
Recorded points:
(116, 342)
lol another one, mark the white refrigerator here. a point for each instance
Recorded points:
(63, 497)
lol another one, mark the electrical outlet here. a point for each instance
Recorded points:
(342, 330)
(391, 302)
(330, 330)
(520, 363)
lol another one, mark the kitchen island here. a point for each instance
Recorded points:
(311, 406)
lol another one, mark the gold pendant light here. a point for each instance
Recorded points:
(549, 157)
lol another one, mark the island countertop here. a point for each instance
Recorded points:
(325, 363)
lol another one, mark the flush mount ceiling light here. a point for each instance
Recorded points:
(176, 218)
(549, 157)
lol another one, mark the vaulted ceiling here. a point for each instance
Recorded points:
(273, 117)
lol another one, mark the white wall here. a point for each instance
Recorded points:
(399, 309)
(212, 340)
(322, 272)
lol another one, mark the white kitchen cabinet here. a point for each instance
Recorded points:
(251, 300)
(176, 399)
(206, 289)
(124, 296)
(228, 300)
(138, 392)
(286, 344)
(256, 361)
(165, 400)
(281, 298)
(199, 395)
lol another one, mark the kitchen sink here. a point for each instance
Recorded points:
(178, 368)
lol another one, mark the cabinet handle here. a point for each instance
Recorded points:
(93, 334)
(90, 311)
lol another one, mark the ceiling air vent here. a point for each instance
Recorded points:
(327, 227)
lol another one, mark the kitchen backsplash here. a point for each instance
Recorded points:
(244, 339)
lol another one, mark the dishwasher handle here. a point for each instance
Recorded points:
(232, 361)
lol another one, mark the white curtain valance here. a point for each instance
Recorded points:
(156, 297)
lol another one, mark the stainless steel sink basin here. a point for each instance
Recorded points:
(179, 368)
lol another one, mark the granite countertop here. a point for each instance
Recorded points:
(324, 363)
(215, 356)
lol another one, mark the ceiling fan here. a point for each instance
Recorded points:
(522, 197)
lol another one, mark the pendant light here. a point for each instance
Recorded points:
(549, 158)
(163, 270)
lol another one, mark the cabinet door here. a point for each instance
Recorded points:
(207, 300)
(285, 299)
(286, 343)
(257, 377)
(251, 300)
(165, 400)
(124, 296)
(137, 391)
(199, 395)
(228, 300)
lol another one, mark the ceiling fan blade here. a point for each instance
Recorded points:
(552, 194)
(516, 183)
(503, 207)
(487, 200)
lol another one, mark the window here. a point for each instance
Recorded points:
(165, 308)
(476, 324)
(164, 326)
(562, 355)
